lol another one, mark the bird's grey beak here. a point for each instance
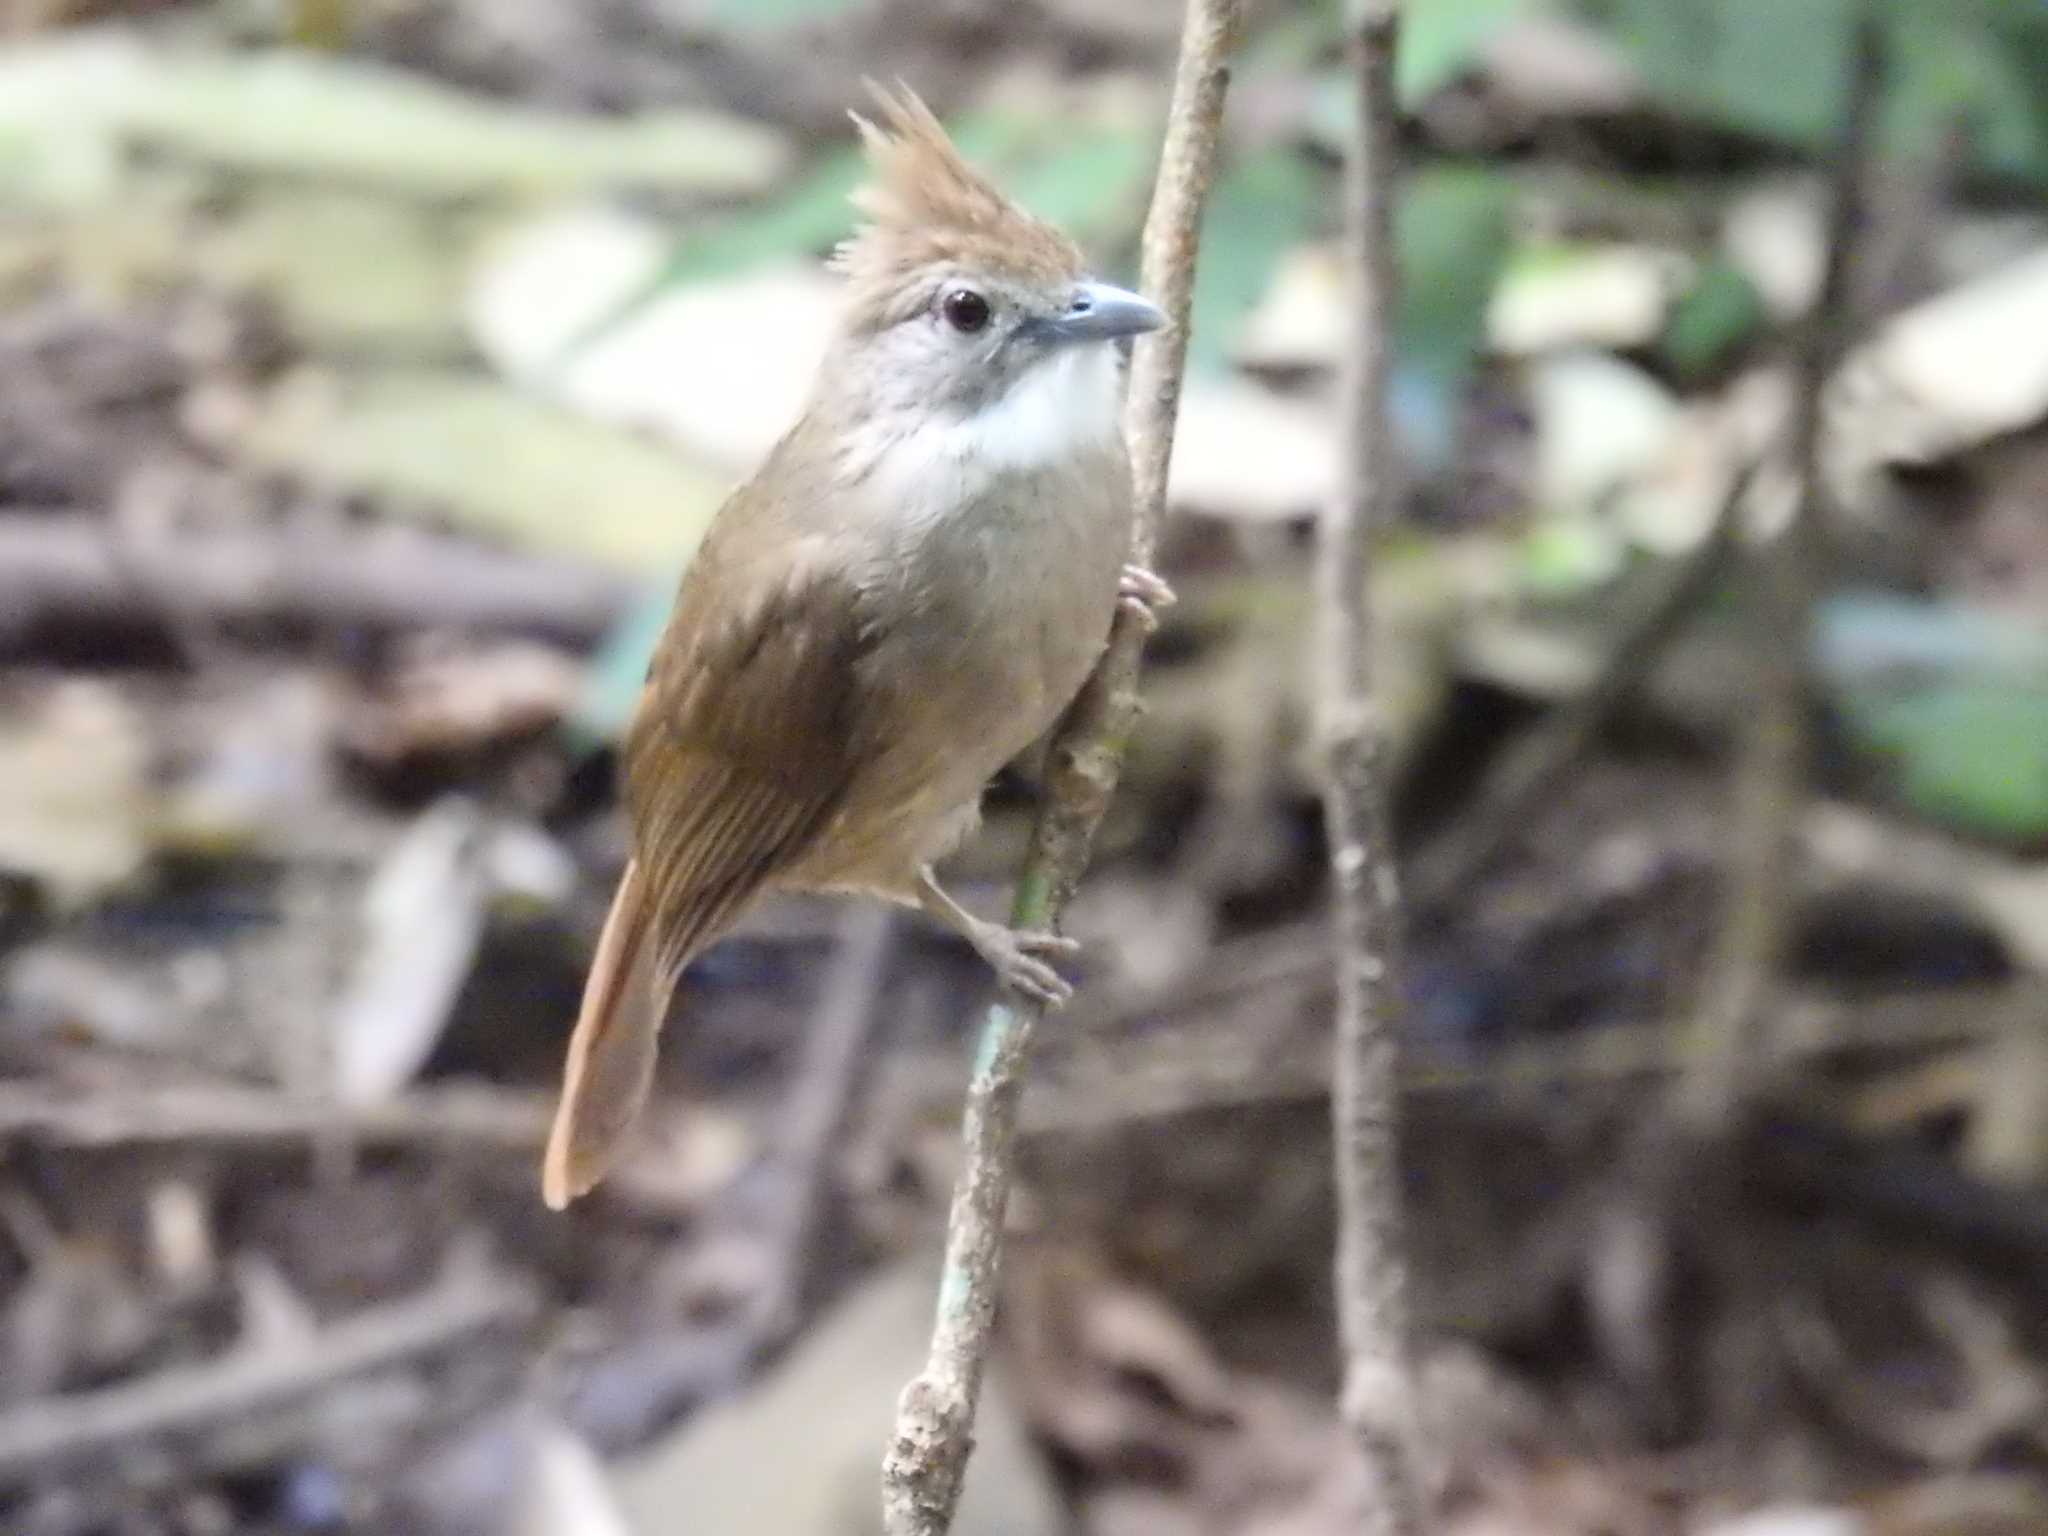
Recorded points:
(1100, 312)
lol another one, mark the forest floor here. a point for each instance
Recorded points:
(360, 399)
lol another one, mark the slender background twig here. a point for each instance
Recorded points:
(79, 1429)
(927, 1457)
(1372, 1279)
(1531, 772)
(1771, 774)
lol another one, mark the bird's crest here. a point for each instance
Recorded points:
(925, 206)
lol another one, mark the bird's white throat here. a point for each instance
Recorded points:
(1063, 407)
(1066, 404)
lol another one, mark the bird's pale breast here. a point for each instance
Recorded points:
(998, 611)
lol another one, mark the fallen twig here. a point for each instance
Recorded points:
(1287, 966)
(2003, 1396)
(139, 1117)
(927, 1456)
(74, 570)
(1192, 1052)
(1222, 1056)
(489, 1124)
(54, 1435)
(1379, 1404)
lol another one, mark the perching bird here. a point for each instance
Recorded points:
(906, 595)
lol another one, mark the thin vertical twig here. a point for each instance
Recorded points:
(1530, 774)
(1372, 1277)
(927, 1455)
(1772, 771)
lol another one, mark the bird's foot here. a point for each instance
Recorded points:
(1144, 594)
(1020, 957)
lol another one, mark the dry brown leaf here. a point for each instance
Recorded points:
(452, 703)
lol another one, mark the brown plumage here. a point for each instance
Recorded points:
(905, 595)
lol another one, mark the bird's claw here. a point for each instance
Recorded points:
(1143, 593)
(1018, 957)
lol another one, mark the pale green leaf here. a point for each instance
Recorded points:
(1092, 182)
(1717, 314)
(287, 112)
(1955, 697)
(1973, 755)
(1440, 39)
(773, 15)
(1451, 234)
(341, 268)
(1261, 207)
(465, 449)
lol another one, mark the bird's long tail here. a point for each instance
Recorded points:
(611, 1054)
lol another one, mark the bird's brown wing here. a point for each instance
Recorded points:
(755, 724)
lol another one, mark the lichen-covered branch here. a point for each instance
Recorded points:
(1771, 774)
(1372, 1276)
(927, 1457)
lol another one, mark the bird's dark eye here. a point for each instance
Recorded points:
(965, 310)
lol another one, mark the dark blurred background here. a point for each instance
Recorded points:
(368, 370)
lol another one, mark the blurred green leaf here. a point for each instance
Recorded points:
(1956, 696)
(56, 166)
(1295, 39)
(295, 113)
(1332, 111)
(807, 219)
(1262, 206)
(490, 458)
(1769, 67)
(1092, 183)
(1973, 755)
(342, 268)
(768, 15)
(1441, 38)
(616, 674)
(1712, 318)
(1567, 555)
(1451, 236)
(1952, 70)
(1778, 70)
